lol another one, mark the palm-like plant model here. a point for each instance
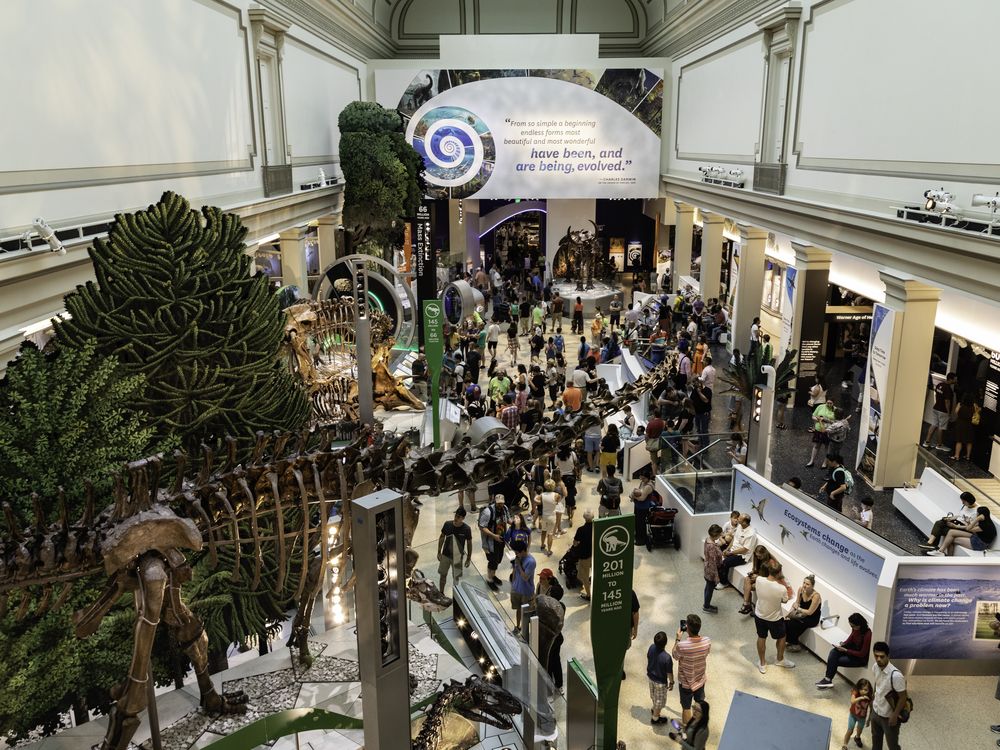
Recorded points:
(742, 378)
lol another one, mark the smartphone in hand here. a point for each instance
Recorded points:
(684, 626)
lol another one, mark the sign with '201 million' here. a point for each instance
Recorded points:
(611, 616)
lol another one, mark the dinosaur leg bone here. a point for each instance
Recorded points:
(130, 695)
(190, 634)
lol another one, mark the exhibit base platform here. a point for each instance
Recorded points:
(277, 685)
(600, 296)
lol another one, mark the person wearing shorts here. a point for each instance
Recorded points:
(691, 651)
(454, 546)
(493, 522)
(772, 592)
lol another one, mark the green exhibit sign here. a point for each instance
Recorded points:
(433, 317)
(611, 617)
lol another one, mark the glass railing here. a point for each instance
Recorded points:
(686, 453)
(703, 491)
(928, 459)
(527, 679)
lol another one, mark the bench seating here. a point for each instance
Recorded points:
(818, 640)
(933, 498)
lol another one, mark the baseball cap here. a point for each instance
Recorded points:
(546, 573)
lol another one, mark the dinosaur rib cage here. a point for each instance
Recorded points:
(277, 502)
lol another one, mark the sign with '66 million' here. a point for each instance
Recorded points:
(611, 617)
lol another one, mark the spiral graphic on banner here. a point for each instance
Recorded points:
(457, 148)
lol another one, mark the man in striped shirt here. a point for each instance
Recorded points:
(690, 653)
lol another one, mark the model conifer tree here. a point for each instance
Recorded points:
(174, 301)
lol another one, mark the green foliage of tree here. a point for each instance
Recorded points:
(65, 417)
(742, 378)
(382, 171)
(174, 301)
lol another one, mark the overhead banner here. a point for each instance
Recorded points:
(946, 612)
(512, 133)
(876, 383)
(611, 616)
(808, 538)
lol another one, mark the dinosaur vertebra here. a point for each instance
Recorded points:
(273, 510)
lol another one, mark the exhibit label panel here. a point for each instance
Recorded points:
(513, 133)
(611, 616)
(806, 537)
(946, 612)
(876, 384)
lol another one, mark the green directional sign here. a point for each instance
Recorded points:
(611, 617)
(433, 316)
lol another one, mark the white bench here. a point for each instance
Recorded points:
(818, 640)
(932, 499)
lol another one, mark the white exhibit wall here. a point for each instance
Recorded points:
(719, 98)
(123, 102)
(317, 86)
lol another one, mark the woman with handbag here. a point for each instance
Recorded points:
(804, 614)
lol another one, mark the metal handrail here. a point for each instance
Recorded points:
(723, 437)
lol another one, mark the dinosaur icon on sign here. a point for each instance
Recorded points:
(785, 533)
(759, 507)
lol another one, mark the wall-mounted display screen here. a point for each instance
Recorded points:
(512, 133)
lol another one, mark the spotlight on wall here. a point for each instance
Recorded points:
(46, 233)
(992, 202)
(939, 200)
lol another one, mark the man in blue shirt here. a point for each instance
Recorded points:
(522, 582)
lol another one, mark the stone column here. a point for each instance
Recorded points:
(749, 285)
(803, 314)
(471, 226)
(711, 254)
(456, 250)
(682, 245)
(326, 231)
(898, 358)
(293, 258)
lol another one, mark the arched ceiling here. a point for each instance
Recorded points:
(627, 28)
(622, 24)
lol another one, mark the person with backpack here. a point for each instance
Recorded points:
(838, 483)
(493, 522)
(891, 706)
(644, 498)
(610, 489)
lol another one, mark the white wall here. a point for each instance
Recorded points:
(719, 100)
(889, 98)
(109, 104)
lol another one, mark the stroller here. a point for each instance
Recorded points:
(567, 566)
(660, 529)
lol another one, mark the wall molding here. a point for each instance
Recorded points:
(78, 177)
(318, 160)
(477, 27)
(353, 31)
(404, 9)
(959, 260)
(698, 24)
(635, 34)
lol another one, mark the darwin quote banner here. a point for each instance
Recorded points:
(791, 528)
(512, 133)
